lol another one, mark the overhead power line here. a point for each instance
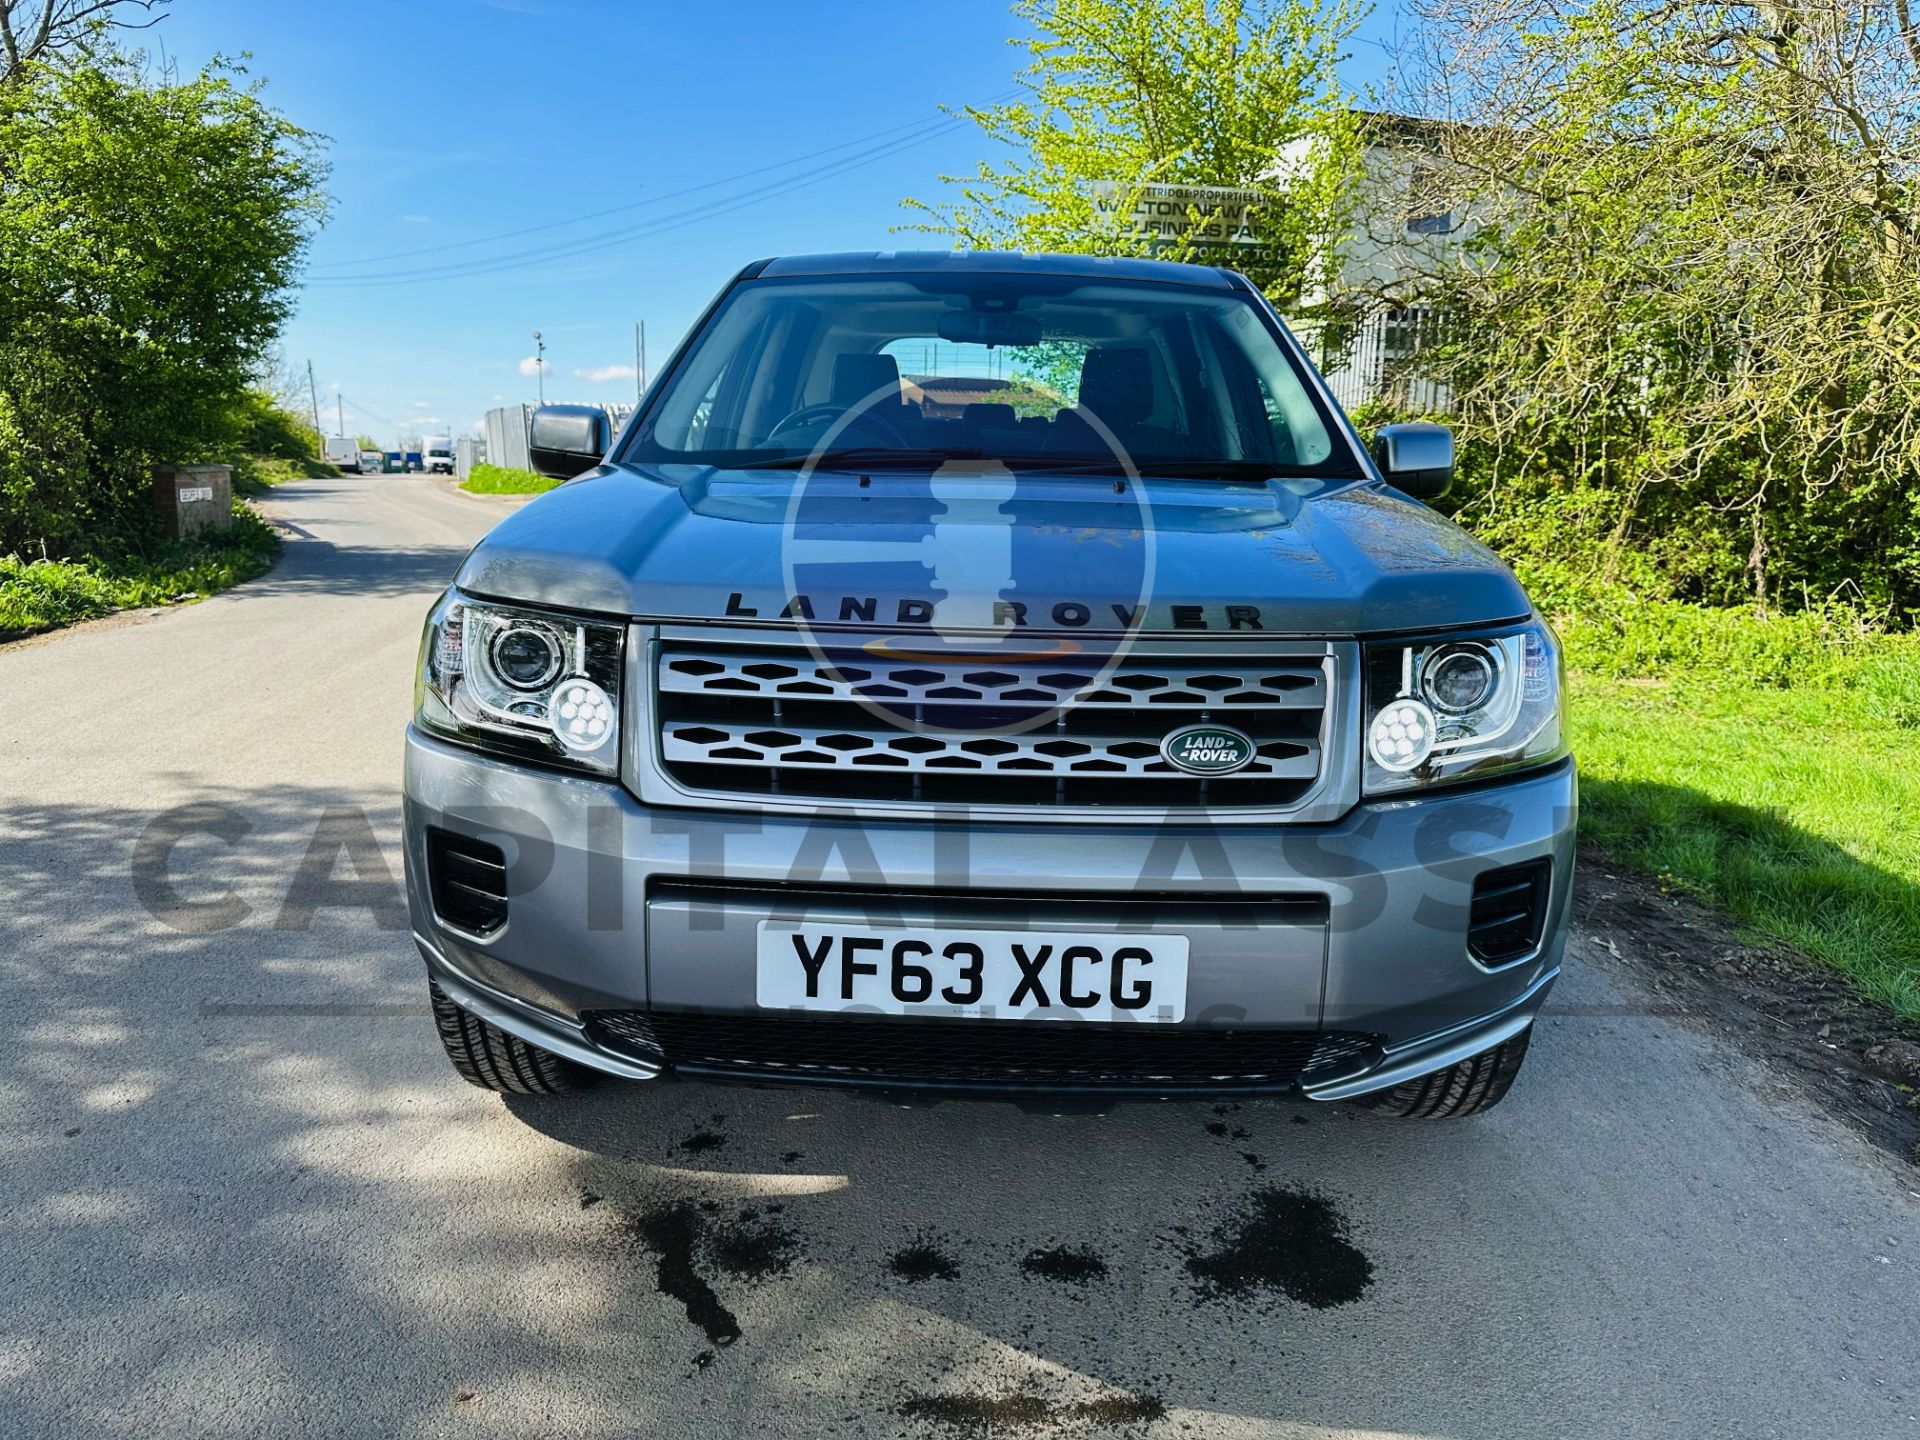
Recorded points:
(360, 409)
(639, 204)
(490, 265)
(721, 205)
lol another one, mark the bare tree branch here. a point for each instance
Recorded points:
(37, 30)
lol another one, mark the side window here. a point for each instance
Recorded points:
(694, 415)
(1277, 426)
(700, 432)
(1287, 419)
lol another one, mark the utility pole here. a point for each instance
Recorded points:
(340, 413)
(639, 360)
(540, 364)
(314, 396)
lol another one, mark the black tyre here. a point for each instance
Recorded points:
(487, 1056)
(1474, 1084)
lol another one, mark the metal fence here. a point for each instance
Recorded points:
(467, 453)
(1371, 359)
(507, 436)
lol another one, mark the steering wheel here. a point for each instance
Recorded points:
(827, 412)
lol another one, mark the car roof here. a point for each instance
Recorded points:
(1007, 262)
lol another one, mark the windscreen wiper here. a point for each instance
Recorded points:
(869, 455)
(1218, 469)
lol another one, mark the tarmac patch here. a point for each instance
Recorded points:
(672, 1233)
(682, 1238)
(1065, 1264)
(701, 1141)
(922, 1260)
(1292, 1241)
(976, 1414)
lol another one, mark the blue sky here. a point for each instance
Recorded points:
(450, 121)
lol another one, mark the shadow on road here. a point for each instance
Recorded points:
(305, 1219)
(320, 566)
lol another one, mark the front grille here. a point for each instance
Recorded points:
(775, 719)
(1509, 912)
(1003, 1055)
(468, 880)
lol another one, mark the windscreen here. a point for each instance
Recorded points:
(1027, 369)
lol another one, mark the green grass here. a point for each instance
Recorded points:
(45, 594)
(1790, 801)
(499, 480)
(257, 474)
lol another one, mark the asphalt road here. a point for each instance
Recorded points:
(243, 1194)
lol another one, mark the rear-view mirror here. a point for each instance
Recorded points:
(988, 327)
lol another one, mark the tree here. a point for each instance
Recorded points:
(1685, 325)
(149, 237)
(261, 424)
(37, 30)
(1123, 94)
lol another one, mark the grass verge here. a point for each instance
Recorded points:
(1765, 767)
(500, 480)
(257, 474)
(42, 595)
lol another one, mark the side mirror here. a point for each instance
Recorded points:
(1415, 457)
(566, 440)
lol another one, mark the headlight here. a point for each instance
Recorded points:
(524, 682)
(1443, 709)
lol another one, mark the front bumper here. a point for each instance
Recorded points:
(1354, 929)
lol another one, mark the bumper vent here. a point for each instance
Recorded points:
(985, 1055)
(1509, 912)
(770, 718)
(469, 881)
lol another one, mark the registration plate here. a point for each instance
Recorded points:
(976, 974)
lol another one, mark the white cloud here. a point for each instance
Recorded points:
(427, 419)
(532, 365)
(499, 397)
(605, 374)
(416, 219)
(423, 404)
(333, 385)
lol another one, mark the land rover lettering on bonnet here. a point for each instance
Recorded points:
(990, 674)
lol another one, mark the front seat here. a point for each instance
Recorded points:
(1116, 386)
(857, 377)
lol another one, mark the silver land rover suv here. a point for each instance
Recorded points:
(990, 673)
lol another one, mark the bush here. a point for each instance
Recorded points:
(257, 474)
(259, 426)
(43, 594)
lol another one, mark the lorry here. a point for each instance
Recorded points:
(438, 452)
(342, 451)
(1167, 744)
